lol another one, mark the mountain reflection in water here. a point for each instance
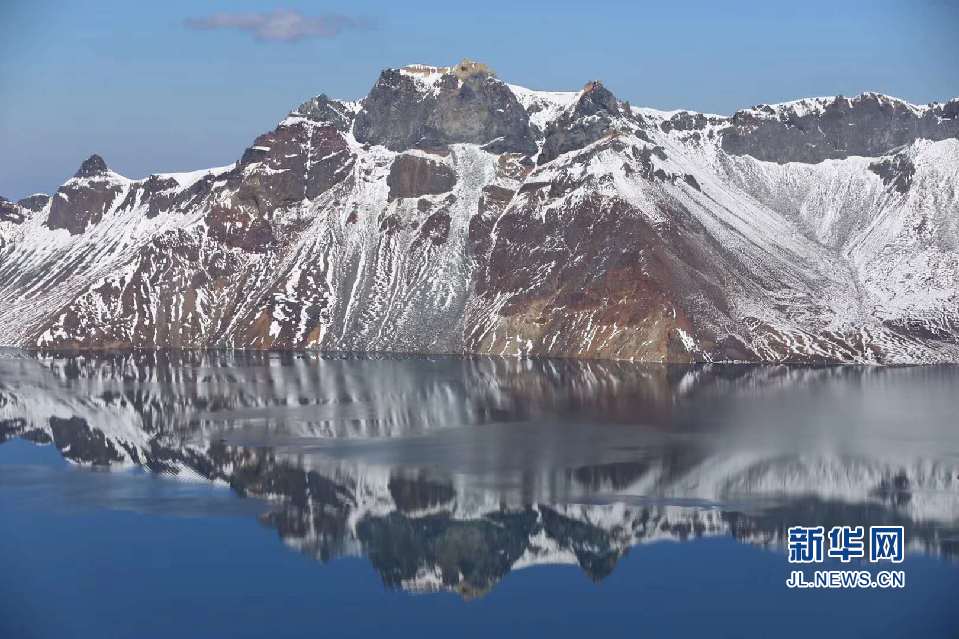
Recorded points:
(449, 472)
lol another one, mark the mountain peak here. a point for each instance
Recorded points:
(34, 202)
(91, 167)
(595, 114)
(424, 106)
(597, 97)
(463, 70)
(468, 68)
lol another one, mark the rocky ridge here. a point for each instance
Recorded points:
(450, 212)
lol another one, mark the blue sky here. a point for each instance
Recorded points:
(141, 84)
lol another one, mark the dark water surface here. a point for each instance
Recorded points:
(248, 495)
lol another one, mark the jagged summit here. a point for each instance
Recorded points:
(463, 70)
(450, 212)
(595, 114)
(420, 106)
(9, 212)
(323, 109)
(34, 202)
(17, 212)
(92, 167)
(818, 105)
(816, 129)
(597, 97)
(423, 106)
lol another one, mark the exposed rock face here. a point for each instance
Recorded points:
(156, 193)
(324, 110)
(594, 116)
(413, 176)
(15, 214)
(609, 297)
(421, 107)
(35, 202)
(86, 198)
(686, 121)
(10, 212)
(448, 212)
(897, 170)
(296, 163)
(93, 166)
(819, 129)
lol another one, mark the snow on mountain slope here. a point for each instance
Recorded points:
(449, 212)
(543, 107)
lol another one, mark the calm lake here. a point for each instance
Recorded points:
(221, 494)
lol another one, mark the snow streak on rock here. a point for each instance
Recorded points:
(448, 212)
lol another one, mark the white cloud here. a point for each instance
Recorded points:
(281, 25)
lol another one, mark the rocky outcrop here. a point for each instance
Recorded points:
(14, 214)
(323, 110)
(415, 175)
(897, 170)
(607, 290)
(449, 212)
(595, 115)
(295, 163)
(157, 194)
(818, 129)
(422, 107)
(86, 198)
(93, 166)
(10, 212)
(34, 203)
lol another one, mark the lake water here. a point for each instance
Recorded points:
(223, 494)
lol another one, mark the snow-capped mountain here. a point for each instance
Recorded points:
(450, 212)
